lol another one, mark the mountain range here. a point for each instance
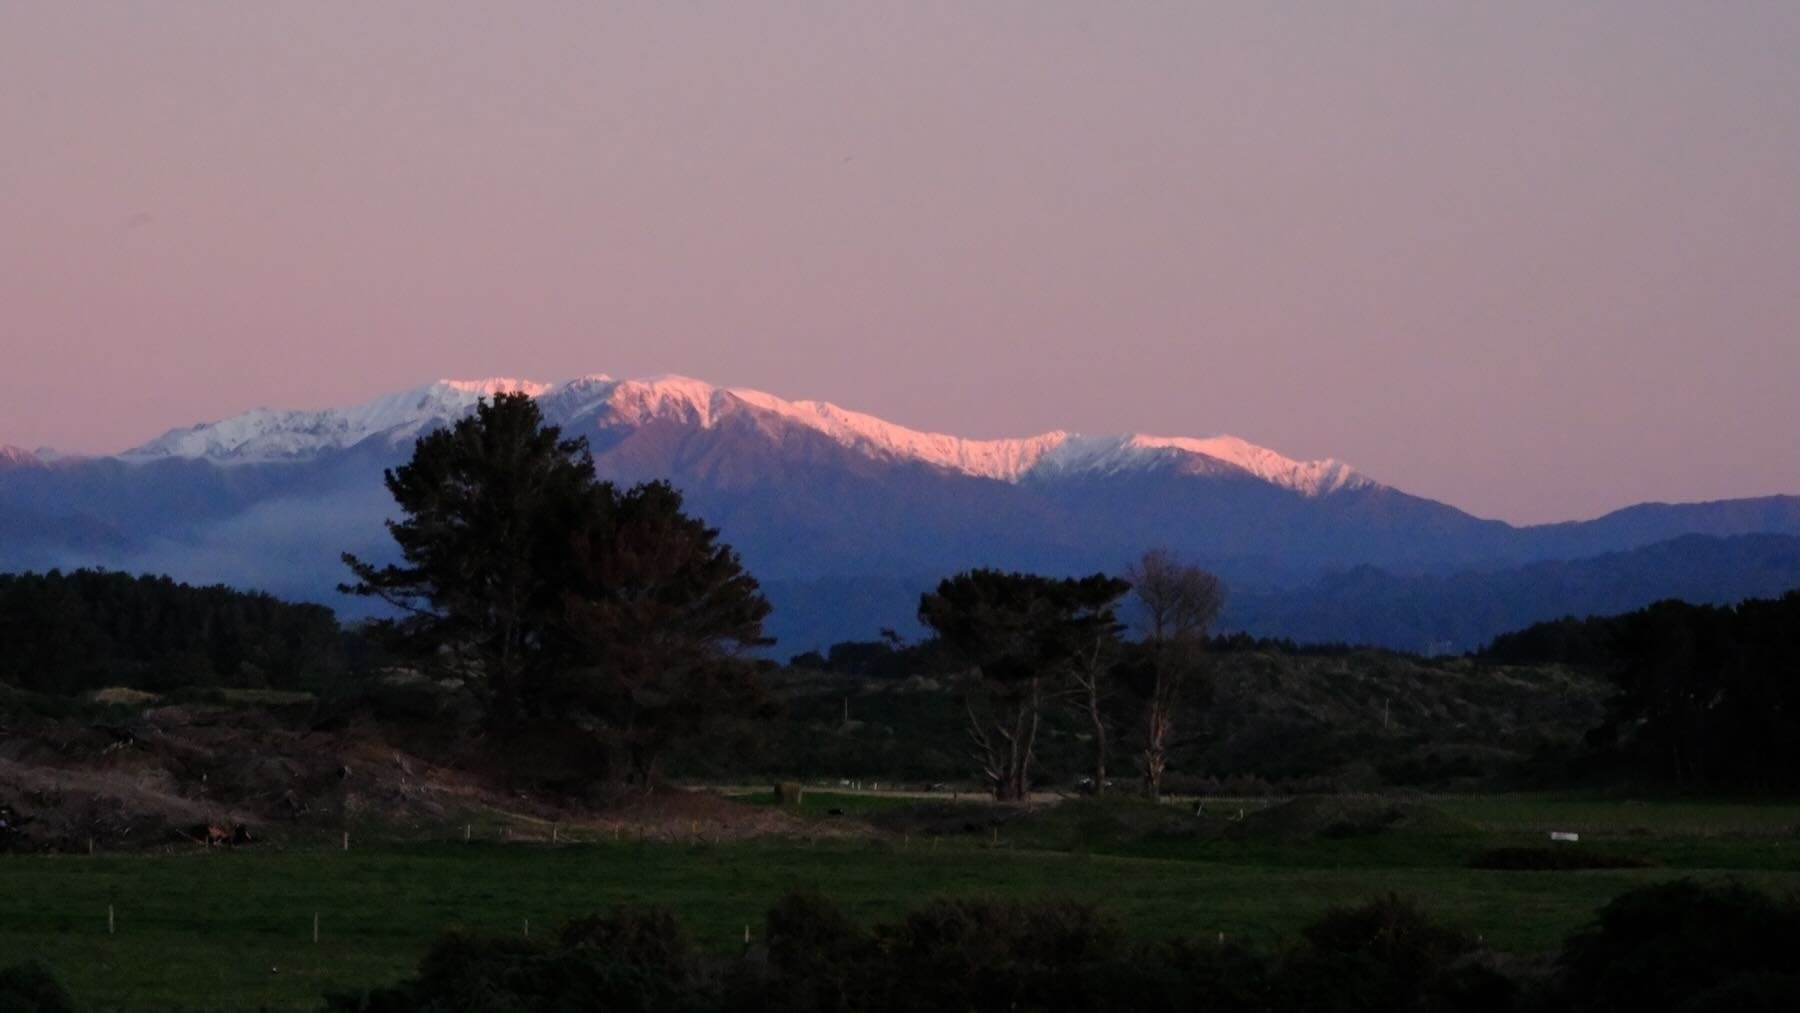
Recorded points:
(845, 517)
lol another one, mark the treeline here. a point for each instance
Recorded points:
(1708, 695)
(890, 657)
(1694, 696)
(1704, 695)
(1593, 642)
(1682, 945)
(70, 632)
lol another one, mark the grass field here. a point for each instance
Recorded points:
(233, 930)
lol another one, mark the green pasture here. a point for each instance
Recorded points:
(233, 929)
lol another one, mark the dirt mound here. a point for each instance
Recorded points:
(178, 776)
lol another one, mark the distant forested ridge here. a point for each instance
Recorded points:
(1458, 612)
(69, 632)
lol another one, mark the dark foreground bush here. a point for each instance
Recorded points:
(1561, 858)
(1387, 955)
(1000, 955)
(31, 988)
(1685, 946)
(973, 955)
(623, 962)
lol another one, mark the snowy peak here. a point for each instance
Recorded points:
(1314, 478)
(17, 457)
(1005, 460)
(268, 435)
(264, 434)
(668, 397)
(694, 402)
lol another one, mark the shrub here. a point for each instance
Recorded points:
(1385, 955)
(1760, 992)
(650, 939)
(819, 961)
(462, 974)
(999, 955)
(1184, 975)
(1658, 947)
(32, 988)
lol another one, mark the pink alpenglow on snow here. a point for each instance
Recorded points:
(1533, 259)
(266, 435)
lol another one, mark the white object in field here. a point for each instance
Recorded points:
(1562, 835)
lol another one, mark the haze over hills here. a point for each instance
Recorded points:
(821, 500)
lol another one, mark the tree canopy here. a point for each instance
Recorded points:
(1016, 629)
(560, 595)
(1708, 695)
(489, 505)
(68, 632)
(1177, 603)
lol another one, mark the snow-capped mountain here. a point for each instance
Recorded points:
(845, 517)
(267, 435)
(274, 435)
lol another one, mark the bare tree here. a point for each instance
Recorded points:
(1177, 604)
(1091, 670)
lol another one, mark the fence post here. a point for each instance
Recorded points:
(315, 928)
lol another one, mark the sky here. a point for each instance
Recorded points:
(1539, 260)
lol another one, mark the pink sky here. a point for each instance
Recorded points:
(1537, 260)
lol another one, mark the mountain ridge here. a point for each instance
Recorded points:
(11, 456)
(264, 435)
(809, 492)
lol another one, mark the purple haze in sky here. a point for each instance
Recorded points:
(1538, 260)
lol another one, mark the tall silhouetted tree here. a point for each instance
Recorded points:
(1177, 604)
(662, 614)
(489, 504)
(1017, 630)
(569, 599)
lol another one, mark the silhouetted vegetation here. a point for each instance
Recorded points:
(1178, 602)
(32, 988)
(887, 658)
(560, 598)
(1685, 946)
(1706, 695)
(1675, 946)
(1017, 631)
(1585, 643)
(70, 632)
